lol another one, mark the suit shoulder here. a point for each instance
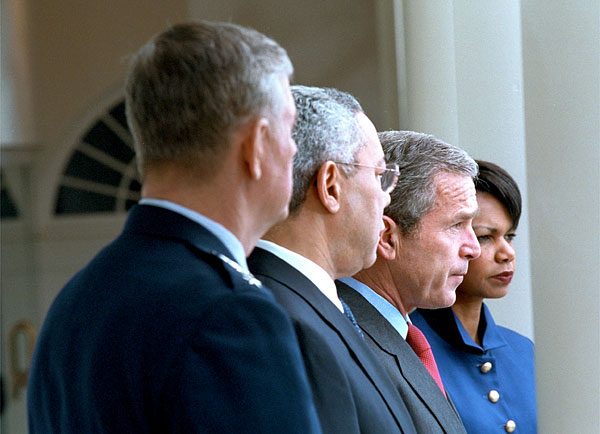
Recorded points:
(287, 298)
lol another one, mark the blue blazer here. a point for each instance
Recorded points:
(431, 412)
(160, 334)
(351, 390)
(509, 370)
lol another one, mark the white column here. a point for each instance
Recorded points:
(18, 265)
(16, 104)
(561, 52)
(430, 68)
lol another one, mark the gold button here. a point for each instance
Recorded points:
(510, 426)
(486, 367)
(493, 395)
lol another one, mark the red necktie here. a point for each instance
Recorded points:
(418, 342)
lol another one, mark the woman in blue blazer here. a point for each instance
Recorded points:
(487, 369)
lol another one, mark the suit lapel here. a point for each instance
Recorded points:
(266, 264)
(377, 328)
(269, 265)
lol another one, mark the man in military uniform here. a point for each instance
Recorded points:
(165, 331)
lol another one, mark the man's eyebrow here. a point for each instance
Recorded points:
(464, 215)
(491, 229)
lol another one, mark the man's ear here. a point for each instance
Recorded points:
(388, 239)
(328, 187)
(254, 135)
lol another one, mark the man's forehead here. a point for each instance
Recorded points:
(290, 103)
(455, 190)
(454, 184)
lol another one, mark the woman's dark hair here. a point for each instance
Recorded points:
(496, 181)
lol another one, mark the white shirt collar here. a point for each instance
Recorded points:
(308, 268)
(384, 307)
(230, 241)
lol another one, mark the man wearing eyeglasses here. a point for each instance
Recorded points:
(422, 257)
(341, 186)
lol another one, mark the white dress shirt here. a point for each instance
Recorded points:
(308, 268)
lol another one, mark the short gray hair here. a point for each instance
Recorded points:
(420, 158)
(326, 129)
(189, 87)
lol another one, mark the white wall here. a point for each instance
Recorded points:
(331, 43)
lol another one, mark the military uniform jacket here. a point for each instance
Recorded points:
(351, 391)
(493, 385)
(429, 408)
(160, 334)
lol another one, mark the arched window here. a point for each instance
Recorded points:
(101, 175)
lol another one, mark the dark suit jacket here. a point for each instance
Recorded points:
(159, 334)
(430, 410)
(351, 391)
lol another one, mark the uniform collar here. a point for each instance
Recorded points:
(234, 245)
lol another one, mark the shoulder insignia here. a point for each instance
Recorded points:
(248, 277)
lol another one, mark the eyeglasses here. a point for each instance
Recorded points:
(389, 177)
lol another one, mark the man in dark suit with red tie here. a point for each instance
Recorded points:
(422, 257)
(165, 330)
(341, 184)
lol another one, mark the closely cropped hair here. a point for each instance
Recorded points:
(420, 158)
(192, 85)
(496, 181)
(326, 129)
